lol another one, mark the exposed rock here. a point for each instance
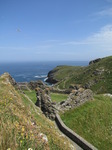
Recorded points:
(34, 84)
(51, 78)
(43, 137)
(23, 85)
(11, 80)
(108, 94)
(94, 61)
(98, 71)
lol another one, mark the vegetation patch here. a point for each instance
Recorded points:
(31, 94)
(92, 121)
(97, 76)
(22, 125)
(57, 97)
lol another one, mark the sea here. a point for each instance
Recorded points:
(32, 71)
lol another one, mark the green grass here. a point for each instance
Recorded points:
(31, 94)
(57, 97)
(17, 115)
(97, 76)
(92, 121)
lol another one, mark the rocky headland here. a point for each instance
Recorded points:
(96, 76)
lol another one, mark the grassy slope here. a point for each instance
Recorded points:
(93, 121)
(17, 115)
(31, 94)
(99, 83)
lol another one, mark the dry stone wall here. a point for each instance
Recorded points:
(45, 103)
(76, 98)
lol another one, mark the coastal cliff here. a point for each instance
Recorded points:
(51, 78)
(96, 76)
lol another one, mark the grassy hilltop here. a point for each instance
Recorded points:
(22, 124)
(97, 76)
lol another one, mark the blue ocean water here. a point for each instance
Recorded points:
(31, 71)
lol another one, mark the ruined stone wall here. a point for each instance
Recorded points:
(45, 103)
(76, 98)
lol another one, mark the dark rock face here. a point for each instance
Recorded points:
(51, 78)
(12, 81)
(94, 61)
(45, 103)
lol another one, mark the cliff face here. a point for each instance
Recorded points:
(51, 78)
(97, 76)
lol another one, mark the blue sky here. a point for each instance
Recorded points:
(40, 30)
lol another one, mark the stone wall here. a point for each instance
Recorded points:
(76, 98)
(45, 103)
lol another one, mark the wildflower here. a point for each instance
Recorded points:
(30, 149)
(16, 125)
(23, 129)
(21, 141)
(26, 136)
(22, 134)
(9, 149)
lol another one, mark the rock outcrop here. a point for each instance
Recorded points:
(94, 61)
(51, 78)
(11, 80)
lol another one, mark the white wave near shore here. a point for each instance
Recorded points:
(41, 76)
